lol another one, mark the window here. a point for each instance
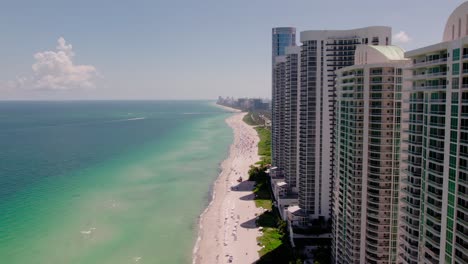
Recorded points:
(450, 212)
(456, 66)
(453, 149)
(452, 172)
(455, 83)
(453, 161)
(452, 190)
(454, 123)
(454, 110)
(448, 249)
(456, 54)
(451, 201)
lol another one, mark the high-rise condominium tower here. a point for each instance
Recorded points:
(282, 37)
(434, 212)
(292, 71)
(367, 156)
(278, 107)
(322, 53)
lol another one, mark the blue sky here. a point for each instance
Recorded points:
(176, 49)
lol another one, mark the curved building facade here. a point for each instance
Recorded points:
(367, 157)
(434, 212)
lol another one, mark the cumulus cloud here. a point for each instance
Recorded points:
(55, 70)
(401, 37)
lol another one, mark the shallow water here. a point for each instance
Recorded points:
(106, 182)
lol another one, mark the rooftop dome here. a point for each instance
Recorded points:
(457, 23)
(369, 54)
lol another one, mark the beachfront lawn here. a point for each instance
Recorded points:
(263, 203)
(264, 146)
(274, 241)
(262, 195)
(264, 134)
(248, 119)
(272, 236)
(255, 118)
(271, 239)
(261, 190)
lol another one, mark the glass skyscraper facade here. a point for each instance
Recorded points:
(282, 37)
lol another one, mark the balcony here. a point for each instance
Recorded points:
(414, 226)
(431, 87)
(379, 73)
(431, 75)
(429, 63)
(413, 258)
(433, 219)
(382, 82)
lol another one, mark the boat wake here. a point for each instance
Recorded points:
(88, 232)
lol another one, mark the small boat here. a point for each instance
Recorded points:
(240, 179)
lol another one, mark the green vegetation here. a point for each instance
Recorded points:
(255, 118)
(262, 190)
(249, 120)
(322, 255)
(261, 199)
(264, 133)
(264, 145)
(274, 240)
(271, 239)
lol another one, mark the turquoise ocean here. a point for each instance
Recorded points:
(106, 181)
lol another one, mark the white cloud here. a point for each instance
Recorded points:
(401, 37)
(55, 70)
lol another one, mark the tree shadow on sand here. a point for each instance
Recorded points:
(267, 219)
(248, 197)
(279, 255)
(245, 186)
(250, 224)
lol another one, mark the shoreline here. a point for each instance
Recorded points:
(226, 228)
(227, 108)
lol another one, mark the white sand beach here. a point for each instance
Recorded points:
(227, 231)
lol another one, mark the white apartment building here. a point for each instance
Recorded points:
(434, 208)
(322, 53)
(290, 99)
(282, 37)
(278, 112)
(367, 156)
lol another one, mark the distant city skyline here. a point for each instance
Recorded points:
(55, 50)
